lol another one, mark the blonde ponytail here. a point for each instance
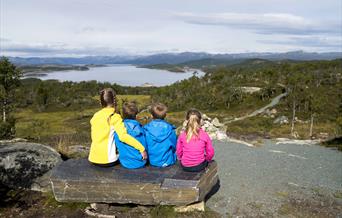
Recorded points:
(193, 124)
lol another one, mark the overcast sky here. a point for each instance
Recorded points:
(111, 27)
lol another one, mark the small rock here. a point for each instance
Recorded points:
(267, 112)
(274, 111)
(221, 136)
(281, 120)
(212, 136)
(250, 90)
(200, 206)
(216, 122)
(223, 129)
(211, 129)
(79, 151)
(205, 117)
(215, 129)
(206, 124)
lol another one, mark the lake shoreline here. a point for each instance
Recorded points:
(123, 74)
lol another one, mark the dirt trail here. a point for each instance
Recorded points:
(274, 102)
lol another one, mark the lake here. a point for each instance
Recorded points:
(127, 75)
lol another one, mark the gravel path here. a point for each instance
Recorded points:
(278, 180)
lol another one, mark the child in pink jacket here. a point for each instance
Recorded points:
(194, 147)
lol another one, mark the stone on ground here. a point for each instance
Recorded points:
(199, 206)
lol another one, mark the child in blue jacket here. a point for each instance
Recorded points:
(161, 138)
(129, 156)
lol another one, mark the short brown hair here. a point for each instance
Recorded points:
(158, 111)
(129, 110)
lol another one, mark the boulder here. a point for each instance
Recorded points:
(26, 165)
(81, 181)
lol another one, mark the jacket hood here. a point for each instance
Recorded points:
(133, 127)
(159, 130)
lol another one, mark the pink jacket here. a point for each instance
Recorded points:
(196, 150)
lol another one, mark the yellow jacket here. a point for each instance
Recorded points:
(104, 124)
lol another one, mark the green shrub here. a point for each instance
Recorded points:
(7, 129)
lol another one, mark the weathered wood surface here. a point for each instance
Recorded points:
(80, 181)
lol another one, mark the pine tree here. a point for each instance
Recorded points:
(9, 80)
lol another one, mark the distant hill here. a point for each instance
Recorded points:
(177, 58)
(212, 62)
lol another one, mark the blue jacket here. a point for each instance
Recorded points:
(161, 142)
(129, 156)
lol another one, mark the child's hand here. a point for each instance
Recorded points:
(144, 155)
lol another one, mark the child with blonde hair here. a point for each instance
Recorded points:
(194, 147)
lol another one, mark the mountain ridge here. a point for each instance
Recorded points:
(174, 58)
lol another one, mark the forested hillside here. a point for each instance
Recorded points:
(314, 86)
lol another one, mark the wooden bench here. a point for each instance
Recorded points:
(79, 181)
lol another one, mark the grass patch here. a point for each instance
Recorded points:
(36, 125)
(264, 126)
(176, 118)
(255, 125)
(303, 129)
(169, 212)
(163, 211)
(338, 194)
(48, 125)
(282, 194)
(285, 209)
(50, 201)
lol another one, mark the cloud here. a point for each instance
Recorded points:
(268, 23)
(4, 39)
(90, 29)
(59, 49)
(334, 43)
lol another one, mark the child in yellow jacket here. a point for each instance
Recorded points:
(104, 124)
